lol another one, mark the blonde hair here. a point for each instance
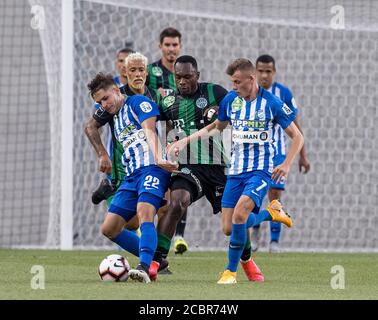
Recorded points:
(136, 56)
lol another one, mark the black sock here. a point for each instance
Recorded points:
(180, 228)
(246, 254)
(143, 266)
(160, 254)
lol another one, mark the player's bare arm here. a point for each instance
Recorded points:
(297, 142)
(149, 126)
(209, 131)
(92, 131)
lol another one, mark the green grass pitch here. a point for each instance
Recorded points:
(73, 275)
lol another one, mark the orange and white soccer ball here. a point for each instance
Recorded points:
(114, 268)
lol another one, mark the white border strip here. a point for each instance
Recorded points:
(66, 218)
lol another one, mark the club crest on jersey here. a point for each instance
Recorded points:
(169, 100)
(141, 135)
(185, 170)
(157, 71)
(146, 107)
(237, 104)
(201, 103)
(260, 115)
(287, 110)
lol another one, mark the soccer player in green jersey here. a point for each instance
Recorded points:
(161, 72)
(202, 168)
(161, 77)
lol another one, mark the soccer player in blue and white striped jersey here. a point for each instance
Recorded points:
(252, 112)
(133, 120)
(120, 80)
(266, 71)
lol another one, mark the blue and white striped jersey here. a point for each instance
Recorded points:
(283, 93)
(128, 131)
(253, 129)
(118, 82)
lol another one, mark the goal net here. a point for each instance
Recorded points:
(325, 51)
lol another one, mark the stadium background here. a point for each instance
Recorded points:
(332, 72)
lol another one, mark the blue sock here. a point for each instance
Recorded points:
(256, 219)
(128, 241)
(148, 243)
(275, 231)
(237, 242)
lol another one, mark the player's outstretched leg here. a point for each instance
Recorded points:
(274, 212)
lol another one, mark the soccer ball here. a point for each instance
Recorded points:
(114, 268)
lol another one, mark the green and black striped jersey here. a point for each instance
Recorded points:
(160, 77)
(187, 115)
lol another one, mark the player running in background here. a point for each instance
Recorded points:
(161, 72)
(266, 71)
(252, 112)
(161, 77)
(147, 175)
(121, 78)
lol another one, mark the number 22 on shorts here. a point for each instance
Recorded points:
(151, 182)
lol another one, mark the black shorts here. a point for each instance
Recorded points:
(202, 180)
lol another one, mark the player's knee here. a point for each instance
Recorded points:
(162, 211)
(177, 208)
(239, 219)
(133, 224)
(242, 210)
(227, 230)
(109, 231)
(241, 215)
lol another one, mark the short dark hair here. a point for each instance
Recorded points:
(170, 33)
(266, 58)
(127, 50)
(100, 81)
(187, 59)
(240, 64)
